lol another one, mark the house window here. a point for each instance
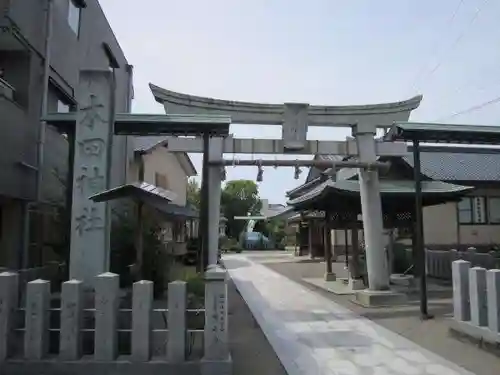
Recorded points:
(494, 210)
(74, 16)
(63, 107)
(161, 180)
(472, 210)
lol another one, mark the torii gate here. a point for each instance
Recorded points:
(295, 119)
(93, 124)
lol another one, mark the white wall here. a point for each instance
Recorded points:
(161, 161)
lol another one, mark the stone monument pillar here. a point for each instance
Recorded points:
(89, 248)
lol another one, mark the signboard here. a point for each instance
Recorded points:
(294, 128)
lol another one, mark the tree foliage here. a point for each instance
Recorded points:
(239, 198)
(193, 193)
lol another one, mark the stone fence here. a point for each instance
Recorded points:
(103, 304)
(476, 302)
(49, 271)
(438, 262)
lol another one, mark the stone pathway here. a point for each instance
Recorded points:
(315, 336)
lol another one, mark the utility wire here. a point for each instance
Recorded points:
(436, 44)
(474, 108)
(460, 36)
(457, 40)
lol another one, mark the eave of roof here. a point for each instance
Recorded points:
(388, 188)
(447, 133)
(152, 195)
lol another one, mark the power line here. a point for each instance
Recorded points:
(436, 43)
(457, 40)
(474, 108)
(460, 36)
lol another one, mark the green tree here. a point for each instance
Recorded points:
(193, 193)
(239, 198)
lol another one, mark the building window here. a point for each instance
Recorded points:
(63, 107)
(494, 210)
(74, 16)
(472, 210)
(161, 180)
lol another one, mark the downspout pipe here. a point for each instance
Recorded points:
(45, 96)
(23, 261)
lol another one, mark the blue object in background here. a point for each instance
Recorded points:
(256, 241)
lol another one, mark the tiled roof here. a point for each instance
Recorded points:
(450, 164)
(459, 163)
(315, 172)
(386, 188)
(144, 144)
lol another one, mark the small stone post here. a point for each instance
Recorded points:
(37, 319)
(176, 347)
(107, 301)
(477, 293)
(142, 304)
(216, 333)
(70, 341)
(8, 305)
(461, 304)
(493, 297)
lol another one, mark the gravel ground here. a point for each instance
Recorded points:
(251, 352)
(432, 334)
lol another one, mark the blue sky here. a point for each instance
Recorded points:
(329, 52)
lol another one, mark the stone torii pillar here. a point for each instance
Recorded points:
(371, 207)
(214, 196)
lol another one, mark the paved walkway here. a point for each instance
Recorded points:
(316, 336)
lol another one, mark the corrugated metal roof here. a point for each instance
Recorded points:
(134, 189)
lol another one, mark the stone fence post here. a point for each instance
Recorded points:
(477, 296)
(107, 299)
(176, 346)
(493, 290)
(142, 304)
(36, 332)
(216, 327)
(461, 304)
(8, 305)
(70, 339)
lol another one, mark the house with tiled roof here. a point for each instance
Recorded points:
(473, 221)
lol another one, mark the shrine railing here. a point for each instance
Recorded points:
(94, 326)
(439, 262)
(476, 302)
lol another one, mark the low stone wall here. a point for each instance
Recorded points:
(476, 302)
(38, 327)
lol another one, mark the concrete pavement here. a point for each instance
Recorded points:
(314, 335)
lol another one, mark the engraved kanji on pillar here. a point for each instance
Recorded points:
(88, 221)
